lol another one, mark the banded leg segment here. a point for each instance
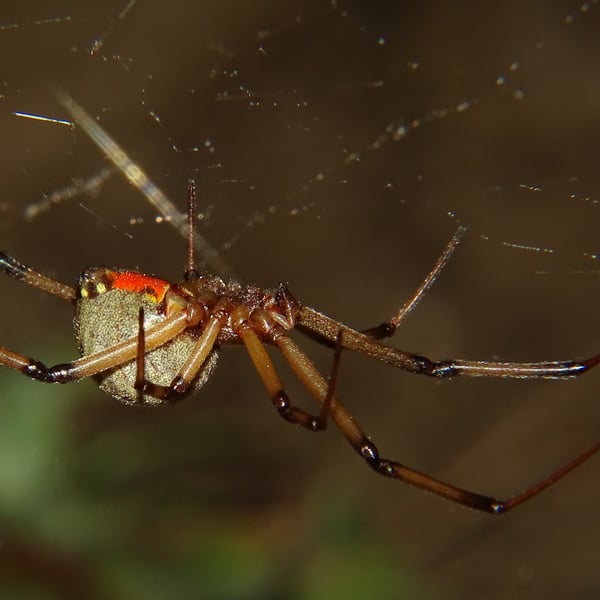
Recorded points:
(325, 327)
(192, 366)
(266, 369)
(92, 364)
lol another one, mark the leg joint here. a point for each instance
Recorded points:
(56, 374)
(440, 369)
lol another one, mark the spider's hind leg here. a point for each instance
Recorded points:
(365, 447)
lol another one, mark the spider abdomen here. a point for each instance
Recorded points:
(107, 315)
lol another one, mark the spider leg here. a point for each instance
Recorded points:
(140, 359)
(325, 329)
(13, 268)
(181, 382)
(92, 364)
(388, 328)
(515, 370)
(333, 377)
(308, 374)
(321, 325)
(266, 370)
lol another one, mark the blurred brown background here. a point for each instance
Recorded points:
(486, 110)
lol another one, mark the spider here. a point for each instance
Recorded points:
(150, 342)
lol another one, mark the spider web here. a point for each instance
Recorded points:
(337, 146)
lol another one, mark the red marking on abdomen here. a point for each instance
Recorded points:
(130, 281)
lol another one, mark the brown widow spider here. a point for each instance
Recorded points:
(149, 342)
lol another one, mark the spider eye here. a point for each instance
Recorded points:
(95, 281)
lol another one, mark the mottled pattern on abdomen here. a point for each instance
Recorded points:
(112, 317)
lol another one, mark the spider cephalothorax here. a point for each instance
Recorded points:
(149, 341)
